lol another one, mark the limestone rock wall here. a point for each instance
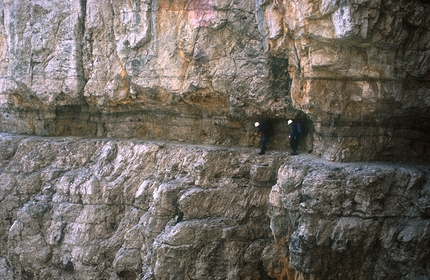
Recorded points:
(74, 208)
(360, 71)
(202, 71)
(354, 72)
(350, 221)
(193, 71)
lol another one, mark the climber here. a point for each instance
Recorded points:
(262, 133)
(296, 132)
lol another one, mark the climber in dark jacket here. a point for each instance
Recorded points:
(262, 133)
(294, 136)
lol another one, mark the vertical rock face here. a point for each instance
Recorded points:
(353, 221)
(105, 209)
(74, 208)
(194, 71)
(202, 71)
(355, 73)
(360, 70)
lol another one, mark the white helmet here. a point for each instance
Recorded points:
(290, 122)
(257, 124)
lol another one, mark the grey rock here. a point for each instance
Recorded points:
(129, 209)
(338, 221)
(355, 73)
(81, 208)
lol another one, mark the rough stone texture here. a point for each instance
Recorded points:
(103, 209)
(355, 72)
(194, 71)
(350, 221)
(360, 71)
(76, 208)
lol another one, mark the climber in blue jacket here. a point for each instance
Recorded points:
(294, 136)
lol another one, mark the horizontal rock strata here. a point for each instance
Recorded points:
(355, 73)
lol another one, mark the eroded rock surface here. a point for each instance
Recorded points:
(192, 71)
(91, 209)
(356, 73)
(76, 208)
(350, 221)
(359, 69)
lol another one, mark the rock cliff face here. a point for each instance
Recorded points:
(353, 221)
(356, 73)
(78, 203)
(194, 71)
(96, 209)
(75, 208)
(360, 71)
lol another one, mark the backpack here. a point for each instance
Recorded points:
(299, 129)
